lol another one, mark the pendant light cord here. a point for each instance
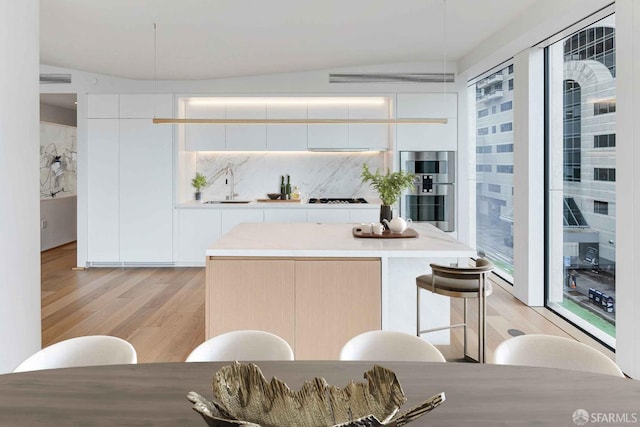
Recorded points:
(444, 52)
(155, 67)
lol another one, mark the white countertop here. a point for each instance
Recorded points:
(373, 204)
(332, 240)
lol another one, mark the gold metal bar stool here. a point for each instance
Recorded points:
(459, 282)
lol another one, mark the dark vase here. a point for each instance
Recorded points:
(198, 195)
(385, 213)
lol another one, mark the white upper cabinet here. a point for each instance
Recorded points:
(328, 136)
(205, 137)
(286, 137)
(103, 106)
(427, 105)
(246, 137)
(427, 137)
(146, 106)
(369, 136)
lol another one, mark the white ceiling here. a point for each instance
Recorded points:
(206, 39)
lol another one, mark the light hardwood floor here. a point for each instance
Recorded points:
(161, 310)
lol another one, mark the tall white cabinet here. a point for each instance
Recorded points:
(104, 190)
(130, 192)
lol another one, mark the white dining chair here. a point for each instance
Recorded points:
(91, 350)
(390, 346)
(242, 346)
(550, 351)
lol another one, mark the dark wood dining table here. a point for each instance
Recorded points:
(154, 394)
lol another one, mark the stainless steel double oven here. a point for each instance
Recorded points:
(432, 198)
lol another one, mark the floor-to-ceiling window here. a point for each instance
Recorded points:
(494, 168)
(581, 102)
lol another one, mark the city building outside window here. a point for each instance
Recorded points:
(601, 208)
(493, 188)
(604, 141)
(504, 148)
(581, 183)
(604, 174)
(505, 106)
(494, 173)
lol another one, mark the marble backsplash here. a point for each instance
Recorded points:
(315, 174)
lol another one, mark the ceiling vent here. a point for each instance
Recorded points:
(392, 78)
(55, 78)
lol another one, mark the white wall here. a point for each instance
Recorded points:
(528, 166)
(19, 219)
(60, 216)
(542, 20)
(58, 115)
(628, 187)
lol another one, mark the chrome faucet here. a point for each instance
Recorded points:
(228, 176)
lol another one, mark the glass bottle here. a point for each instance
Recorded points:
(283, 190)
(288, 187)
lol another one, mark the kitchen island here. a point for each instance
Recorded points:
(316, 285)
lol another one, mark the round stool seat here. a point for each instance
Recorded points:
(452, 287)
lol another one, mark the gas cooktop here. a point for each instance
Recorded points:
(338, 200)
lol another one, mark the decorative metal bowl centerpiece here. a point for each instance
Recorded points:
(243, 397)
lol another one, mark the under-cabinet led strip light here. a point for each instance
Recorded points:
(287, 100)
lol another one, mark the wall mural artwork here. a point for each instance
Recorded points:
(58, 160)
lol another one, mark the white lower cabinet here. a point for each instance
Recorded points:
(328, 215)
(366, 216)
(285, 215)
(232, 217)
(197, 230)
(146, 192)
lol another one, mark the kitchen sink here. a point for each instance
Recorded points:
(228, 201)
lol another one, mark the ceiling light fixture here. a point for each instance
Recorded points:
(286, 100)
(417, 121)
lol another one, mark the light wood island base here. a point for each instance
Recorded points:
(323, 287)
(315, 304)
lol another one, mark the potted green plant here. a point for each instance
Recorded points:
(198, 182)
(389, 187)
